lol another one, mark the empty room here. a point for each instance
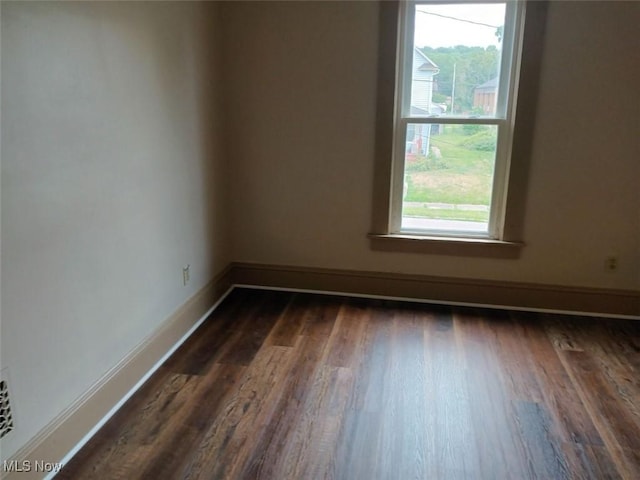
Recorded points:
(320, 239)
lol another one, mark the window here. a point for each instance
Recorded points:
(456, 85)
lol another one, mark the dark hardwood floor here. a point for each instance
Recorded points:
(278, 385)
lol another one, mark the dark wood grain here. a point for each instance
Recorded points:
(278, 385)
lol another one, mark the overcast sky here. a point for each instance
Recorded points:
(435, 31)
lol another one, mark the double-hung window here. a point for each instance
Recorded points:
(455, 99)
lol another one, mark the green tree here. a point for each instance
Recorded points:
(473, 66)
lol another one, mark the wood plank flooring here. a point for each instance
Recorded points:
(277, 385)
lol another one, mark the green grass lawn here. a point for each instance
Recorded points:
(462, 175)
(440, 214)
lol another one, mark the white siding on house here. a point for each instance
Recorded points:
(422, 81)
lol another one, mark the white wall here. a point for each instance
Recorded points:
(111, 182)
(302, 129)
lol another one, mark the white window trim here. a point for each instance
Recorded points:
(504, 120)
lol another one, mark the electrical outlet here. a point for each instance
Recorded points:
(185, 275)
(611, 263)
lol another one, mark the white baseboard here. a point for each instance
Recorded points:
(69, 431)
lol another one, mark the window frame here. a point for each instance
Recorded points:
(503, 119)
(531, 65)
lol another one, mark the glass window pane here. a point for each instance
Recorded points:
(456, 59)
(448, 177)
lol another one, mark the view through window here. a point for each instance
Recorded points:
(454, 116)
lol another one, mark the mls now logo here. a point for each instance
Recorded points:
(29, 466)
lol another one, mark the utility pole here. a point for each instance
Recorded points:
(453, 87)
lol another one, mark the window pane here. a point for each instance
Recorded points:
(448, 177)
(456, 59)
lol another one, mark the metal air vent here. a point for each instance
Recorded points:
(6, 419)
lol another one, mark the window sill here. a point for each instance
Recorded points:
(441, 245)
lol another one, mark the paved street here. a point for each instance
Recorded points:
(418, 223)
